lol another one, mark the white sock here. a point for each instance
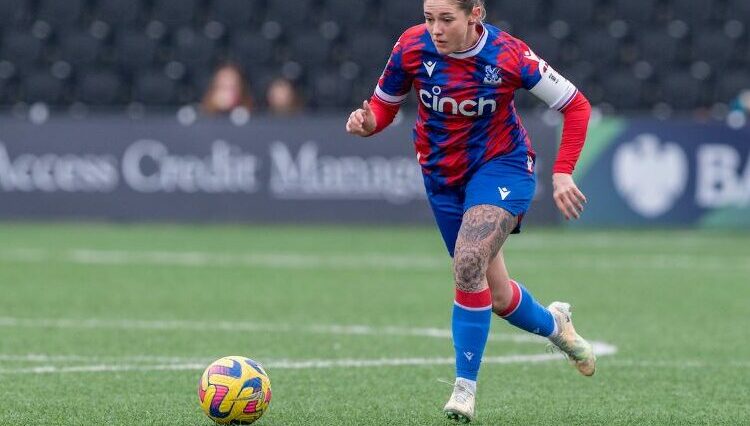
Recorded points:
(556, 331)
(468, 384)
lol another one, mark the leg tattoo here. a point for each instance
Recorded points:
(483, 231)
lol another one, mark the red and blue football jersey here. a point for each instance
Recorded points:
(466, 115)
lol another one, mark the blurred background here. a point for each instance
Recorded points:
(167, 109)
(176, 185)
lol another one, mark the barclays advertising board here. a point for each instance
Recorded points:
(269, 170)
(649, 172)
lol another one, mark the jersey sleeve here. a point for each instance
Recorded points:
(539, 78)
(395, 82)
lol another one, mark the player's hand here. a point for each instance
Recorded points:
(361, 121)
(568, 197)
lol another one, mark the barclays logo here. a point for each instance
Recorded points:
(650, 175)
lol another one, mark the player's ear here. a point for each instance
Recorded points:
(476, 15)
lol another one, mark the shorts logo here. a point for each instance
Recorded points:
(504, 192)
(492, 76)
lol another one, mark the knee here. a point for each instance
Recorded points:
(500, 302)
(469, 268)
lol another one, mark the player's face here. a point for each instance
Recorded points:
(450, 27)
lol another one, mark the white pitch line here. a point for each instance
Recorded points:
(677, 364)
(622, 240)
(92, 359)
(181, 363)
(601, 349)
(377, 261)
(214, 326)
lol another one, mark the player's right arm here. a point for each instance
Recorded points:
(391, 91)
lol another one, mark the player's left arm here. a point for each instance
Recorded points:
(559, 93)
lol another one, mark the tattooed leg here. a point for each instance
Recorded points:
(483, 231)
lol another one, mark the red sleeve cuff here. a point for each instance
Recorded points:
(384, 113)
(575, 124)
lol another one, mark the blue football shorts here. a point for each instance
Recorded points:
(507, 182)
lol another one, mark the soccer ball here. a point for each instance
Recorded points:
(234, 390)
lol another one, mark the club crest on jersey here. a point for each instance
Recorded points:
(430, 67)
(492, 75)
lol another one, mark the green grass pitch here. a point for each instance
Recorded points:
(113, 324)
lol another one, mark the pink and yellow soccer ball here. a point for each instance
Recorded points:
(234, 390)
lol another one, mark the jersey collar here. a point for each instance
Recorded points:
(474, 50)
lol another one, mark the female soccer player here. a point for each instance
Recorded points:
(478, 168)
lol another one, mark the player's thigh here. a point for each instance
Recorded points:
(484, 229)
(507, 182)
(447, 207)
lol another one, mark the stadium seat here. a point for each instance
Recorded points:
(579, 72)
(656, 46)
(236, 13)
(693, 12)
(622, 90)
(309, 48)
(364, 33)
(8, 91)
(154, 88)
(680, 90)
(713, 47)
(525, 100)
(135, 50)
(634, 12)
(595, 92)
(370, 50)
(398, 15)
(60, 14)
(290, 14)
(350, 14)
(599, 47)
(118, 13)
(259, 78)
(730, 84)
(99, 87)
(174, 13)
(79, 48)
(199, 80)
(21, 49)
(576, 13)
(328, 89)
(518, 13)
(192, 49)
(13, 13)
(41, 86)
(738, 9)
(250, 49)
(544, 45)
(363, 88)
